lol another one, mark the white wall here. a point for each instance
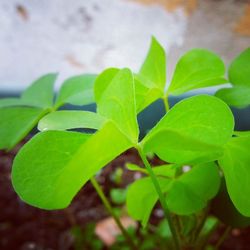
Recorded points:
(82, 36)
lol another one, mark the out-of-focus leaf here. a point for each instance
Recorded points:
(142, 197)
(118, 195)
(235, 164)
(239, 76)
(16, 123)
(191, 191)
(238, 96)
(239, 70)
(40, 93)
(77, 90)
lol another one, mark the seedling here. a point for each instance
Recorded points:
(198, 132)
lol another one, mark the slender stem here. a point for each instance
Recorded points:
(111, 211)
(166, 104)
(204, 241)
(200, 225)
(223, 237)
(161, 198)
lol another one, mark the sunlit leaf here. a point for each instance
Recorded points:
(102, 82)
(197, 68)
(238, 96)
(239, 70)
(16, 123)
(117, 103)
(40, 93)
(239, 76)
(63, 120)
(241, 133)
(10, 102)
(154, 66)
(167, 170)
(52, 167)
(77, 90)
(176, 147)
(194, 130)
(145, 93)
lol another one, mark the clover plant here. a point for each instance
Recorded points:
(197, 134)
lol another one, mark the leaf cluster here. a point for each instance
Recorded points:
(198, 131)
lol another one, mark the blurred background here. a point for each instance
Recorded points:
(73, 37)
(86, 36)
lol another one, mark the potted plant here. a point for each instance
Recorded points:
(206, 162)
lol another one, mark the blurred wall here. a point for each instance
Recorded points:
(85, 36)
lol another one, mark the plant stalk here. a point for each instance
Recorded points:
(112, 213)
(200, 225)
(166, 103)
(207, 236)
(161, 198)
(223, 237)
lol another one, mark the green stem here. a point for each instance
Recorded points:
(161, 198)
(111, 211)
(223, 237)
(200, 225)
(166, 104)
(207, 236)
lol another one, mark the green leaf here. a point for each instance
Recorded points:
(235, 165)
(134, 167)
(197, 68)
(210, 224)
(241, 133)
(40, 93)
(239, 70)
(163, 229)
(239, 76)
(190, 192)
(167, 170)
(117, 103)
(238, 96)
(118, 195)
(16, 123)
(154, 66)
(194, 130)
(185, 195)
(102, 82)
(63, 120)
(77, 90)
(52, 167)
(10, 102)
(223, 208)
(142, 197)
(176, 147)
(145, 93)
